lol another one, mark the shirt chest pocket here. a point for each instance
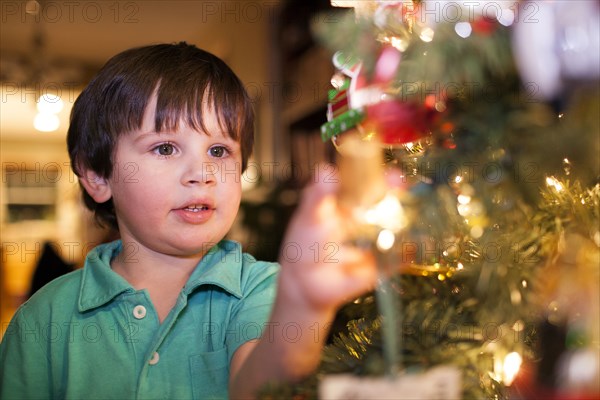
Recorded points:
(210, 374)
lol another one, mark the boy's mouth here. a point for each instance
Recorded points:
(196, 212)
(197, 208)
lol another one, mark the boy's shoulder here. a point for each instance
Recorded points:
(61, 293)
(254, 271)
(64, 294)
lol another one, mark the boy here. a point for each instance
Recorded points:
(159, 140)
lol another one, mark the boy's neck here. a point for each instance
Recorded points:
(142, 266)
(163, 276)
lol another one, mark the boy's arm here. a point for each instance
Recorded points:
(318, 274)
(23, 362)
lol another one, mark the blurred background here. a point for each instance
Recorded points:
(505, 86)
(48, 52)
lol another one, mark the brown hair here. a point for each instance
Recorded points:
(184, 78)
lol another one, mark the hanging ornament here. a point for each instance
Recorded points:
(395, 122)
(484, 25)
(340, 117)
(391, 119)
(370, 104)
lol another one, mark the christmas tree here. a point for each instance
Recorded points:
(490, 114)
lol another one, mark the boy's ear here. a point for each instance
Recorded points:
(96, 186)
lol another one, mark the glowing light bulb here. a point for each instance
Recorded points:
(399, 43)
(463, 29)
(512, 364)
(464, 199)
(427, 34)
(46, 122)
(476, 232)
(553, 182)
(506, 17)
(387, 214)
(50, 103)
(385, 240)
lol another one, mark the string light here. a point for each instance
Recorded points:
(506, 17)
(553, 182)
(512, 364)
(427, 34)
(385, 240)
(387, 214)
(463, 29)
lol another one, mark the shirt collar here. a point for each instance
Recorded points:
(99, 283)
(221, 266)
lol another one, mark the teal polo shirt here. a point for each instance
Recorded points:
(90, 335)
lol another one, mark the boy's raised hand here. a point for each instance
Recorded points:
(319, 273)
(320, 270)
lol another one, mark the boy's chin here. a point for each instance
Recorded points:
(192, 250)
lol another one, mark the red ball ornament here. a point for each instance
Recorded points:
(395, 122)
(392, 121)
(484, 26)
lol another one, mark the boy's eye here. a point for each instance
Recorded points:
(165, 149)
(217, 151)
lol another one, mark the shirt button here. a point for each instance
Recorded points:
(154, 359)
(139, 312)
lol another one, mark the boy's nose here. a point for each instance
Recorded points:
(200, 172)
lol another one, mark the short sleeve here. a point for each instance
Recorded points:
(250, 316)
(23, 360)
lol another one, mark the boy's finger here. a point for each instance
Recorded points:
(325, 183)
(395, 178)
(325, 178)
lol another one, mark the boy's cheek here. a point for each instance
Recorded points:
(126, 172)
(231, 172)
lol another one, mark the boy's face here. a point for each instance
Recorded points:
(176, 193)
